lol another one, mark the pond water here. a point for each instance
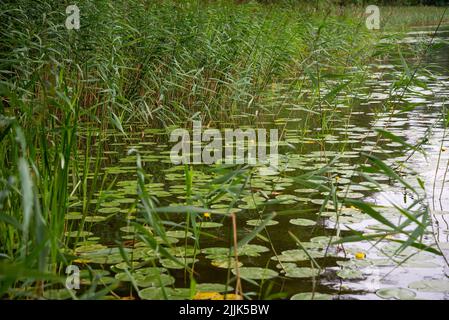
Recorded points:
(355, 270)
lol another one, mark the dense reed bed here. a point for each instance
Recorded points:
(156, 64)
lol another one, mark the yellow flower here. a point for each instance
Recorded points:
(231, 296)
(208, 296)
(360, 255)
(206, 215)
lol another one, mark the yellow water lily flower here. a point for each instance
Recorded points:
(206, 215)
(360, 255)
(231, 296)
(208, 296)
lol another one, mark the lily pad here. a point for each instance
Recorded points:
(396, 293)
(209, 224)
(302, 272)
(178, 234)
(302, 222)
(350, 274)
(154, 293)
(225, 263)
(311, 296)
(256, 273)
(154, 281)
(258, 222)
(109, 210)
(213, 287)
(170, 264)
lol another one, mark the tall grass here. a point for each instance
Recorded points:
(158, 62)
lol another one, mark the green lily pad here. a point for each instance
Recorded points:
(298, 272)
(311, 296)
(251, 250)
(287, 198)
(154, 293)
(258, 222)
(213, 287)
(81, 234)
(183, 251)
(396, 293)
(95, 219)
(89, 248)
(225, 263)
(181, 234)
(170, 264)
(73, 216)
(303, 222)
(154, 281)
(350, 274)
(209, 224)
(109, 210)
(256, 273)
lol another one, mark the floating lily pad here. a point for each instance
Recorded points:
(109, 210)
(128, 229)
(256, 273)
(302, 222)
(258, 222)
(396, 293)
(287, 198)
(183, 251)
(209, 224)
(154, 280)
(124, 265)
(251, 250)
(178, 234)
(225, 263)
(154, 293)
(298, 272)
(81, 234)
(89, 248)
(350, 274)
(311, 296)
(184, 262)
(73, 216)
(95, 219)
(291, 256)
(213, 287)
(305, 190)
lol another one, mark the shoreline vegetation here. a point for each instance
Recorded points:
(142, 68)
